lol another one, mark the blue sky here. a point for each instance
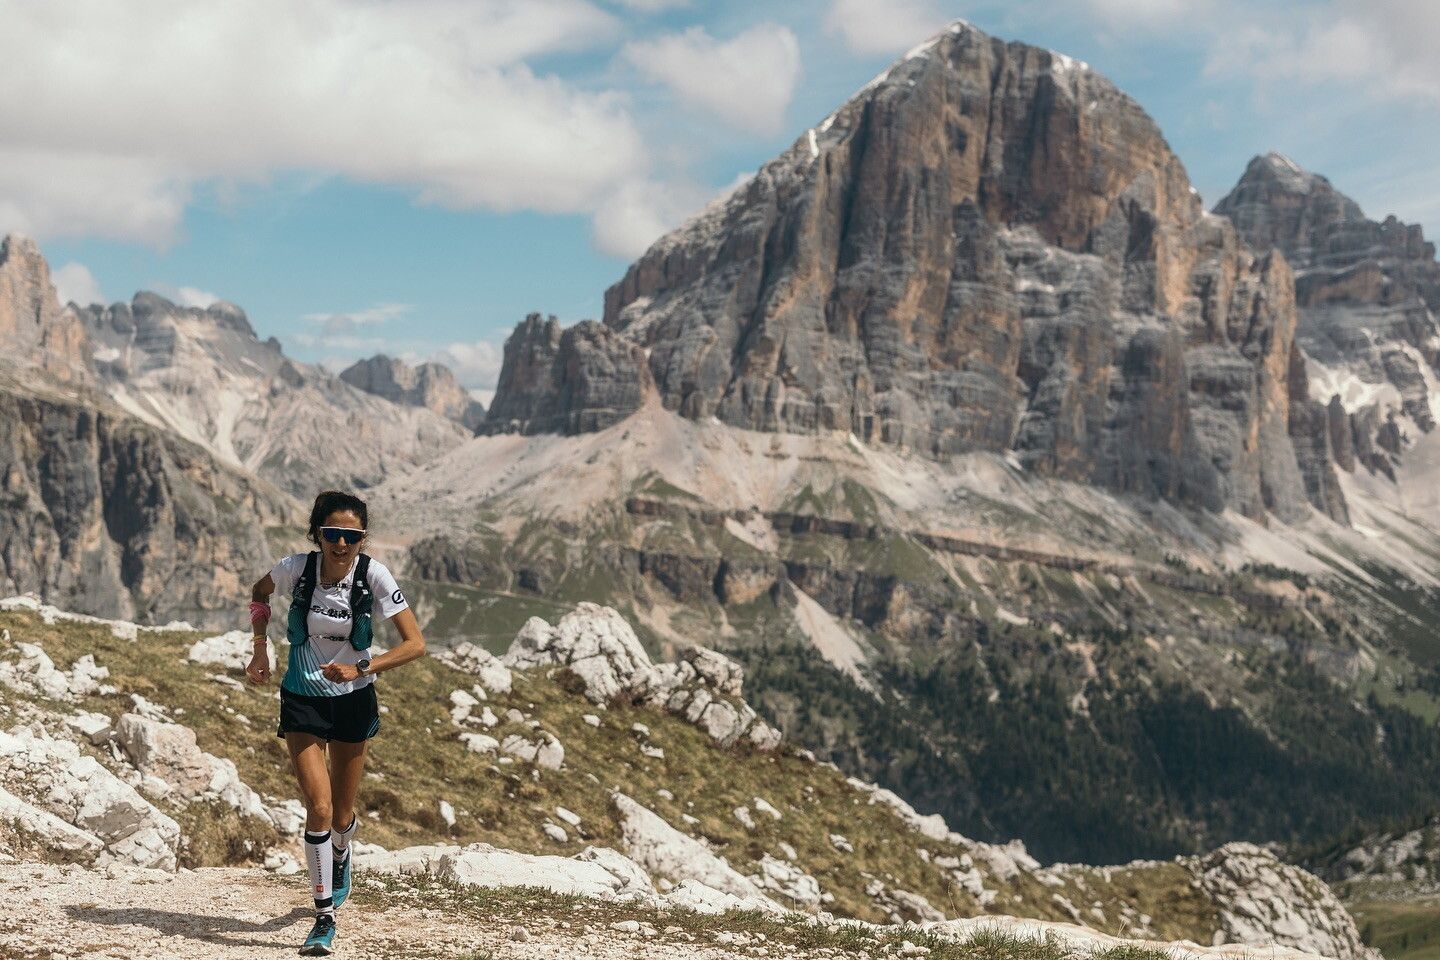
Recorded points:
(414, 176)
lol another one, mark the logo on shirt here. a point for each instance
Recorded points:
(331, 612)
(397, 597)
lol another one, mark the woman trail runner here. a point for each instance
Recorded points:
(327, 699)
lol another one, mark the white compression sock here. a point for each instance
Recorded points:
(319, 860)
(340, 839)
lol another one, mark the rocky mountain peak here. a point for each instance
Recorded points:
(429, 385)
(988, 248)
(1278, 203)
(1367, 294)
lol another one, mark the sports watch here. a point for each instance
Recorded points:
(363, 666)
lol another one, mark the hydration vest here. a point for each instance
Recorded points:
(361, 600)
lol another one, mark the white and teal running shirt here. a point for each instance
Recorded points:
(329, 624)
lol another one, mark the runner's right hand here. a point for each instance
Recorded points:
(258, 670)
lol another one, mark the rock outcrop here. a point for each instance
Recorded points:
(1367, 294)
(34, 327)
(1397, 864)
(167, 752)
(576, 380)
(428, 385)
(666, 852)
(596, 647)
(54, 776)
(1264, 900)
(990, 247)
(601, 874)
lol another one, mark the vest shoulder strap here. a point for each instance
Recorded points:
(297, 630)
(305, 586)
(360, 586)
(362, 600)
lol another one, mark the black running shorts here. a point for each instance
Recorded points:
(349, 718)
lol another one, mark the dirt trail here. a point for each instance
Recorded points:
(51, 911)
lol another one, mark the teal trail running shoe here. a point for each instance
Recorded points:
(340, 887)
(322, 935)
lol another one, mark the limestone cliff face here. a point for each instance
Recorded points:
(990, 247)
(33, 326)
(114, 517)
(1367, 294)
(429, 385)
(566, 381)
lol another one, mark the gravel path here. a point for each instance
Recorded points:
(71, 912)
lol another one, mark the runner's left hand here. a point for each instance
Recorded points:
(340, 672)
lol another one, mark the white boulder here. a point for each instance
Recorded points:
(696, 896)
(766, 807)
(55, 776)
(666, 852)
(790, 882)
(492, 675)
(633, 878)
(481, 865)
(229, 650)
(461, 703)
(479, 743)
(94, 727)
(547, 752)
(168, 752)
(30, 825)
(29, 670)
(593, 643)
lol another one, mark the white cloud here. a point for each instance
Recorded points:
(476, 364)
(428, 95)
(875, 27)
(1133, 12)
(746, 81)
(639, 212)
(651, 6)
(186, 296)
(74, 283)
(332, 324)
(1386, 47)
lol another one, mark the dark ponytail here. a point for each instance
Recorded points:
(330, 501)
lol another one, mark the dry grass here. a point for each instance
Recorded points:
(417, 761)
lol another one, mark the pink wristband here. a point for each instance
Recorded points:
(258, 611)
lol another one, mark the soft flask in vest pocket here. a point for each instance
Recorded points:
(362, 600)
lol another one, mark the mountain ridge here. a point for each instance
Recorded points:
(989, 248)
